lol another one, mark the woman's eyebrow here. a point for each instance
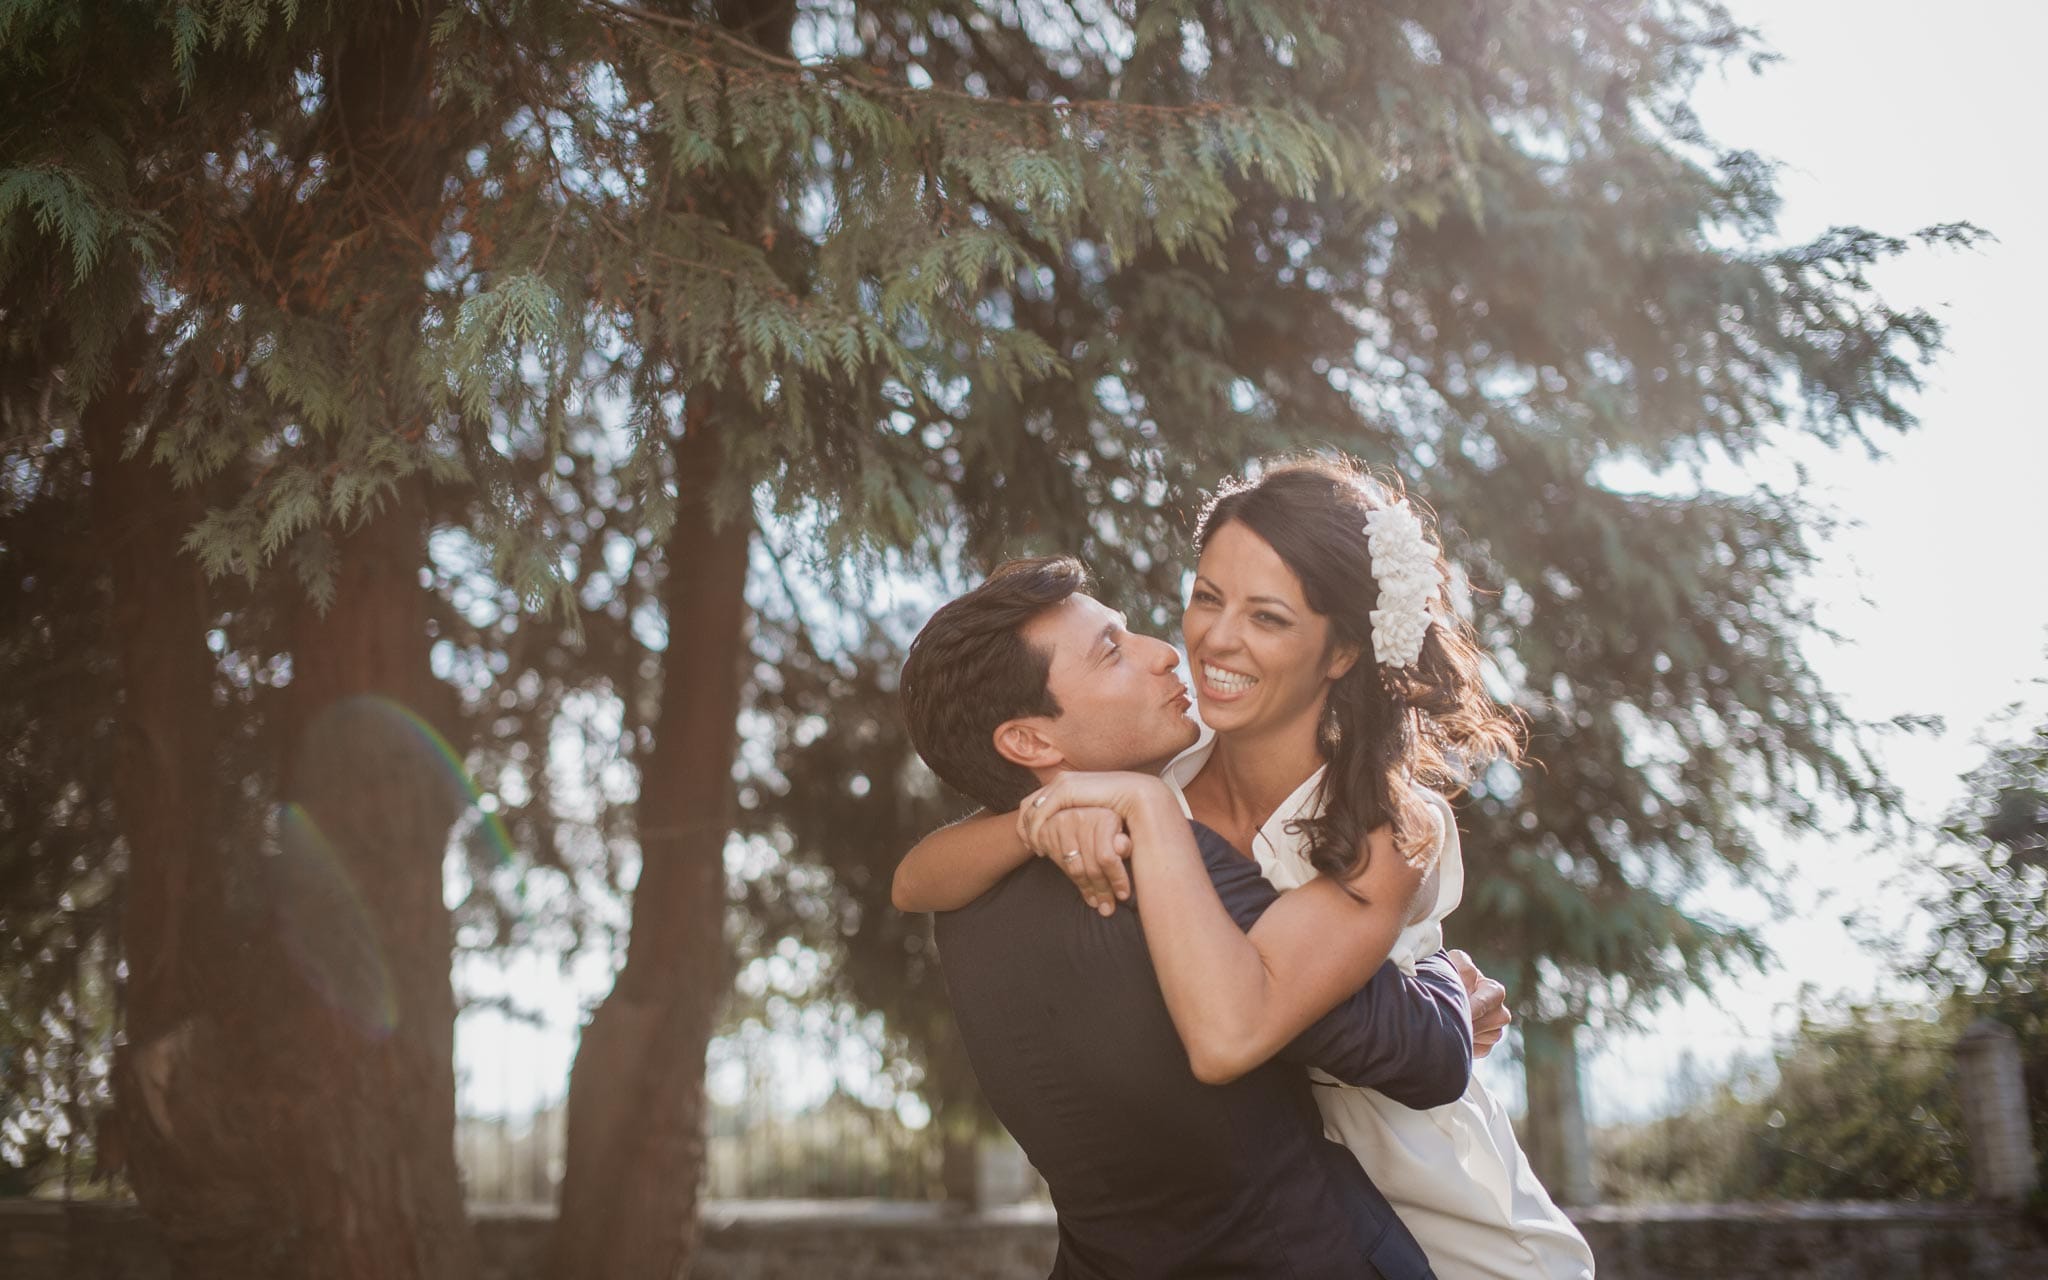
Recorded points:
(1201, 581)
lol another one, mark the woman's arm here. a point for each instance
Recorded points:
(1238, 998)
(958, 863)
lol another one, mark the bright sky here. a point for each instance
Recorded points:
(1892, 115)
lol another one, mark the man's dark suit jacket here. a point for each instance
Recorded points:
(1153, 1173)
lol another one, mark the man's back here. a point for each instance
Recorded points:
(1153, 1172)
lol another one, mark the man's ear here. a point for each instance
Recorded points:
(1343, 657)
(1024, 741)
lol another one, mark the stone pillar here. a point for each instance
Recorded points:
(1555, 1127)
(959, 1167)
(1002, 1174)
(1994, 1097)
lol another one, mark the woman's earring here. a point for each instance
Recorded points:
(1332, 732)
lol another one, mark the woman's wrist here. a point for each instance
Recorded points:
(1151, 809)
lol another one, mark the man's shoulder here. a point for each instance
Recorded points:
(1005, 894)
(1030, 930)
(1035, 894)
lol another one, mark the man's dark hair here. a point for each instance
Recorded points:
(970, 669)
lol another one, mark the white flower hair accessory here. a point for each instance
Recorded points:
(1404, 565)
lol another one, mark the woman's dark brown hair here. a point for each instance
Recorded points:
(1382, 726)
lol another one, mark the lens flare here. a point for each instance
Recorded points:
(326, 927)
(485, 830)
(364, 759)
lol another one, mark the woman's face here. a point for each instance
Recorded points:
(1261, 658)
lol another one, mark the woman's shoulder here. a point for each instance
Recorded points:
(1447, 866)
(1439, 807)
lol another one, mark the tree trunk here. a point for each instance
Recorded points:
(1556, 1125)
(635, 1163)
(634, 1169)
(286, 1091)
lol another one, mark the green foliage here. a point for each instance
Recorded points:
(1990, 952)
(1863, 1104)
(615, 185)
(1857, 1105)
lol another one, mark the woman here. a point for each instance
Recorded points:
(1343, 700)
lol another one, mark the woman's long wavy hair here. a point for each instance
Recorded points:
(1382, 727)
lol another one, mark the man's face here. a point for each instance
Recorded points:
(1122, 703)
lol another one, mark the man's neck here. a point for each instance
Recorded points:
(1153, 767)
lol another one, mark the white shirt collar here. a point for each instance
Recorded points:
(1272, 836)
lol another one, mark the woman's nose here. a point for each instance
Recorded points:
(1222, 634)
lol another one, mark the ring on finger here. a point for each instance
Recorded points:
(1071, 854)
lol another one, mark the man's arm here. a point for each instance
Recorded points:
(1408, 1037)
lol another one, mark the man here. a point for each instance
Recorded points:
(1153, 1173)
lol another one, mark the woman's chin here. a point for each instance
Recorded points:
(1221, 714)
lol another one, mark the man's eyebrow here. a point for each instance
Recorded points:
(1105, 640)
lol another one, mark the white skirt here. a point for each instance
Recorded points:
(1458, 1179)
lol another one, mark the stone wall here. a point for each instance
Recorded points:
(44, 1240)
(1814, 1242)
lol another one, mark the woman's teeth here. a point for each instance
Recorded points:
(1226, 681)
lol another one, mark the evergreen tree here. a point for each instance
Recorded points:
(206, 239)
(618, 301)
(330, 267)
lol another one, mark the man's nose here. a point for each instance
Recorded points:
(1164, 656)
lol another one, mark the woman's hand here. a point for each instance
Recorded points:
(1090, 845)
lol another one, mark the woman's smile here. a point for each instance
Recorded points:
(1224, 684)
